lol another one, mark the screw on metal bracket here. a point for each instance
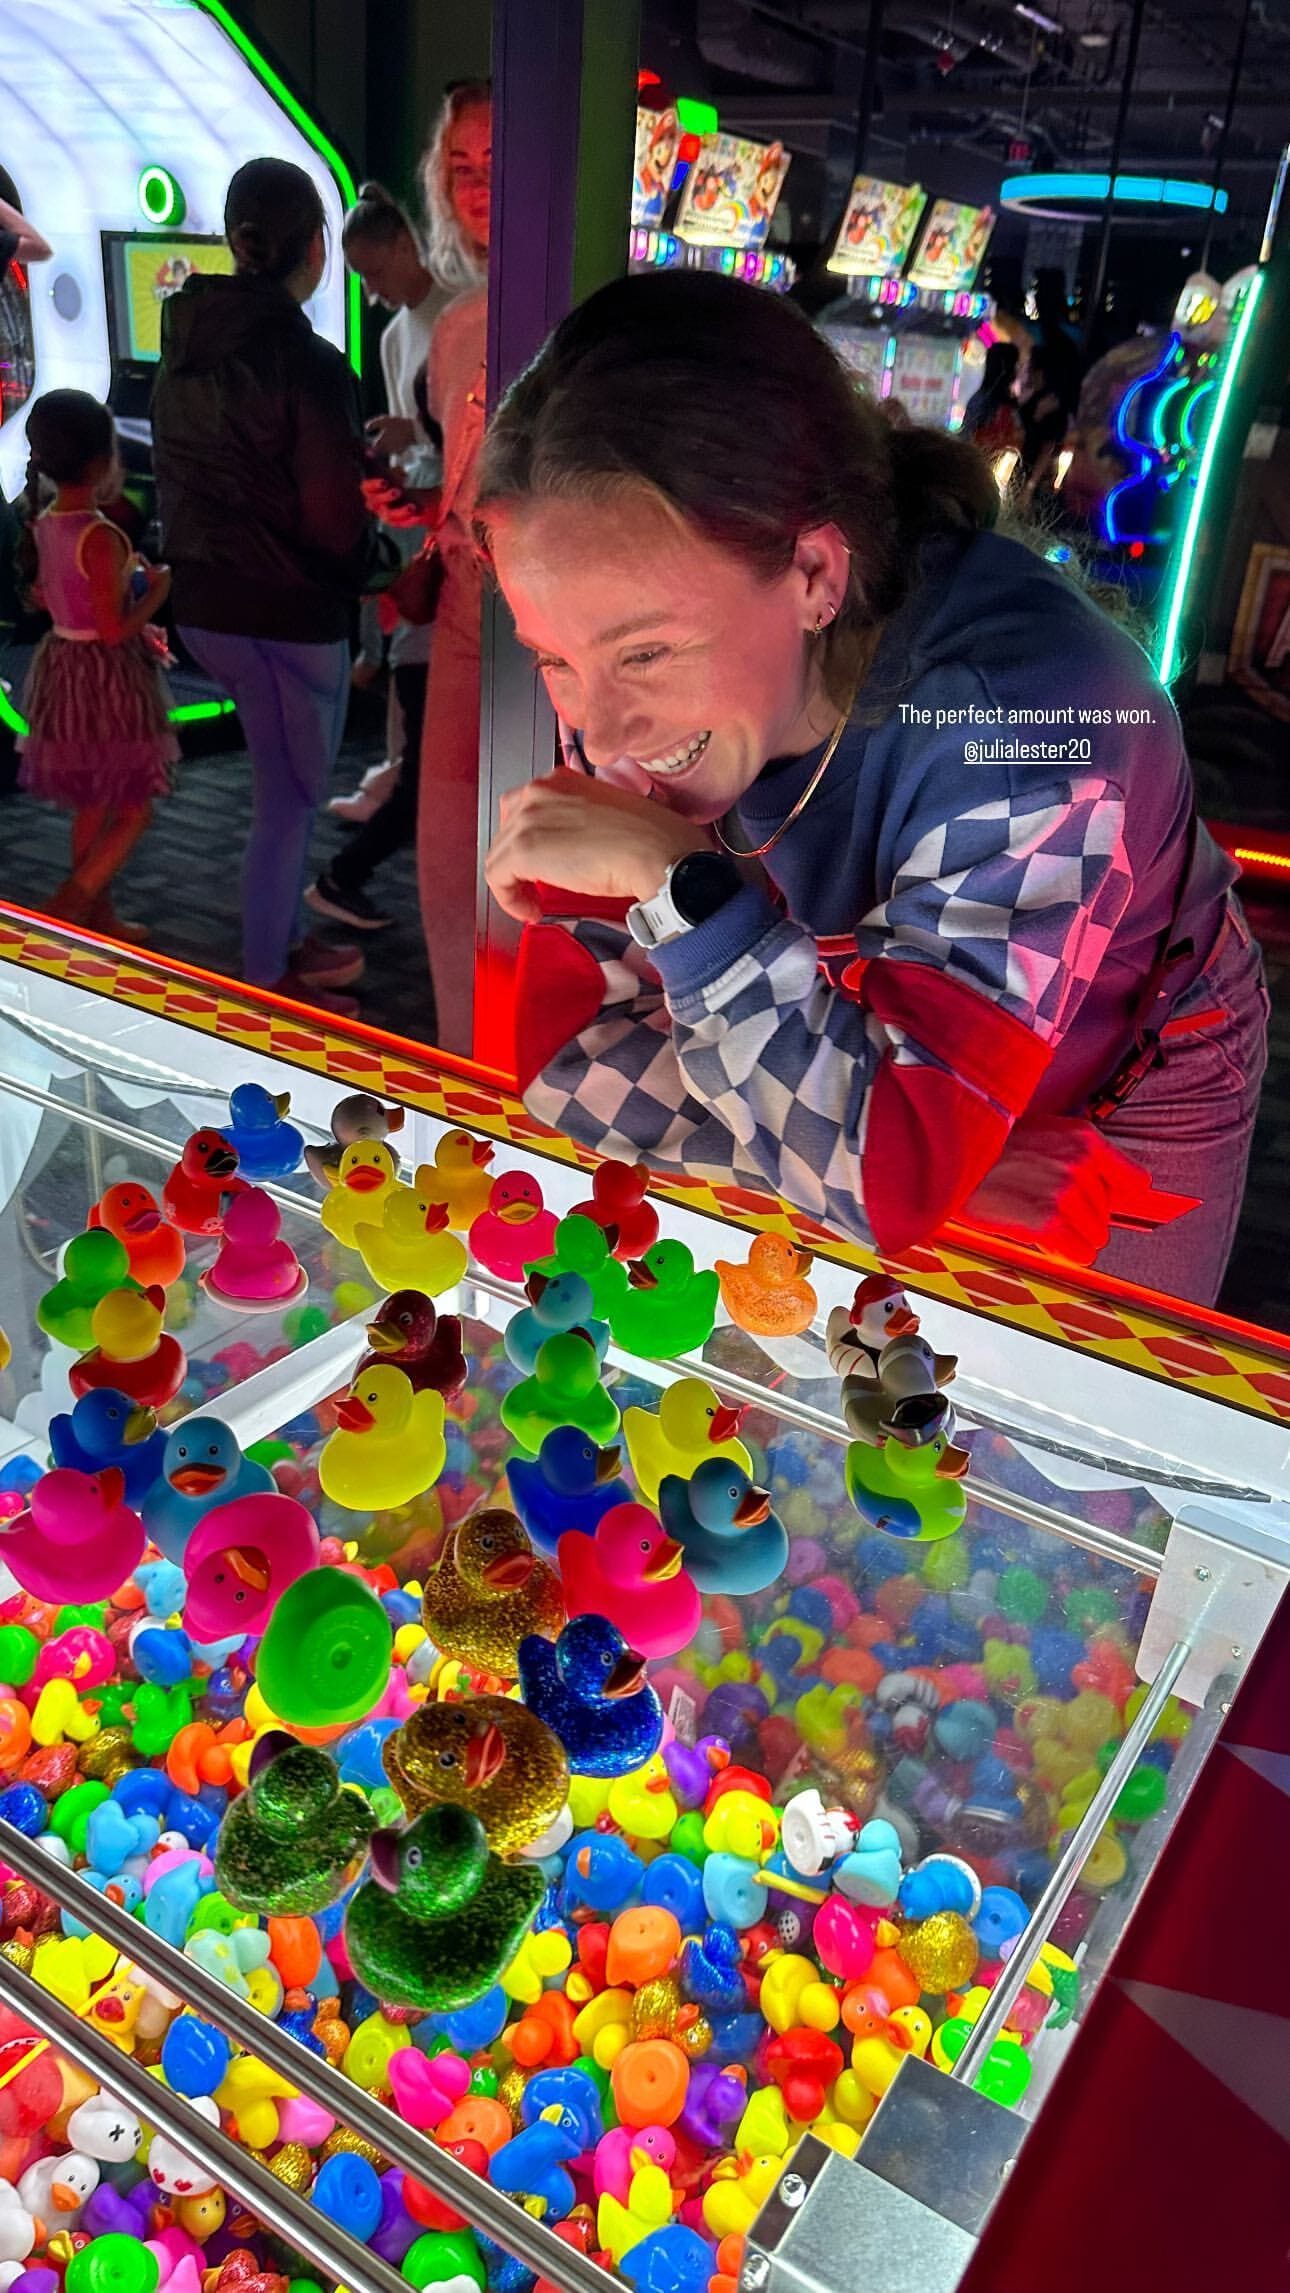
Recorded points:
(792, 2190)
(755, 2273)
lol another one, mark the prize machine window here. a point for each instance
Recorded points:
(17, 346)
(141, 271)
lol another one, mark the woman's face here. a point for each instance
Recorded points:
(663, 648)
(470, 171)
(391, 270)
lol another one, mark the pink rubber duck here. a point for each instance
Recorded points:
(631, 1572)
(76, 1533)
(612, 2172)
(254, 1269)
(241, 1557)
(426, 2088)
(515, 1230)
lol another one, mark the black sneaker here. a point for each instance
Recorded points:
(353, 908)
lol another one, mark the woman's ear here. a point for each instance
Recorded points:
(821, 570)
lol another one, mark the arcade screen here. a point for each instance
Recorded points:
(953, 242)
(878, 228)
(142, 272)
(922, 376)
(731, 192)
(658, 140)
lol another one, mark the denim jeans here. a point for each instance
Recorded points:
(1190, 1122)
(291, 701)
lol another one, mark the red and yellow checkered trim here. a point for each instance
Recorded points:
(1231, 1361)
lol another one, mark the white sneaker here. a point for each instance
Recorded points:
(377, 783)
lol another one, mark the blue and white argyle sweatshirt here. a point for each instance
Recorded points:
(955, 932)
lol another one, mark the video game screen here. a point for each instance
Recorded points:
(953, 243)
(878, 228)
(142, 271)
(731, 192)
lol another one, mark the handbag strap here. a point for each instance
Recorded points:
(1144, 1052)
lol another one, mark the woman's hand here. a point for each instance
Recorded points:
(391, 433)
(583, 836)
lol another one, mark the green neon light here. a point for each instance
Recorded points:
(1187, 426)
(313, 134)
(1158, 411)
(188, 713)
(1168, 657)
(9, 716)
(160, 196)
(697, 117)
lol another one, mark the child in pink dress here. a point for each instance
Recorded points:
(98, 740)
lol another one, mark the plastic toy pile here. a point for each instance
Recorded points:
(577, 1769)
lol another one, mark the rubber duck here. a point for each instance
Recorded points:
(490, 1755)
(569, 1488)
(582, 1247)
(613, 2169)
(94, 1265)
(358, 1117)
(557, 1303)
(388, 1446)
(175, 2172)
(19, 2229)
(737, 2192)
(409, 1245)
(130, 1351)
(514, 1229)
(740, 1823)
(154, 1249)
(532, 2163)
(618, 1206)
(565, 1389)
(601, 1872)
(641, 1801)
(648, 2207)
(202, 1467)
(769, 1295)
(76, 1532)
(265, 1143)
(590, 1687)
(291, 1843)
(690, 1424)
(103, 2128)
(909, 1489)
(239, 1561)
(107, 1428)
(200, 1186)
(459, 1177)
(693, 1768)
(254, 1269)
(424, 1344)
(882, 2037)
(488, 1591)
(732, 1540)
(441, 1915)
(631, 1571)
(857, 1333)
(669, 1308)
(712, 1971)
(364, 1175)
(902, 1395)
(55, 2189)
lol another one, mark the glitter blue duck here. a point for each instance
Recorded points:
(590, 1688)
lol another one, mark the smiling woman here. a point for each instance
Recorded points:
(1016, 988)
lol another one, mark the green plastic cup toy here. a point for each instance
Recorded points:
(325, 1657)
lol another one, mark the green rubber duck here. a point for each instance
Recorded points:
(441, 1916)
(909, 1489)
(565, 1389)
(582, 1247)
(293, 1841)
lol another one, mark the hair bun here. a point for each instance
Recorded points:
(375, 195)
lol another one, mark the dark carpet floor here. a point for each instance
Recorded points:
(185, 877)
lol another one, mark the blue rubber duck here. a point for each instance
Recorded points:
(601, 1873)
(670, 2260)
(107, 1428)
(590, 1688)
(733, 1542)
(532, 2163)
(265, 1144)
(556, 1303)
(572, 1484)
(202, 1467)
(711, 1975)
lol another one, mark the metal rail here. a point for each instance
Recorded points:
(484, 2207)
(330, 2248)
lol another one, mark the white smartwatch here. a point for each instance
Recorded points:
(693, 889)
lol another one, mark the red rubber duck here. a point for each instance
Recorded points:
(425, 1345)
(618, 1204)
(154, 1248)
(131, 1351)
(201, 1183)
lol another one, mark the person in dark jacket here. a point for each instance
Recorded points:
(258, 451)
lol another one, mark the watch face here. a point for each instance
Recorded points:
(701, 883)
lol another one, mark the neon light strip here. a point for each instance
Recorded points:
(1130, 190)
(1255, 859)
(1187, 426)
(1142, 382)
(313, 134)
(1168, 656)
(187, 713)
(1158, 413)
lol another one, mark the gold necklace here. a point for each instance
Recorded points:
(759, 851)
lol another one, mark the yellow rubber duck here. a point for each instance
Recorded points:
(6, 1352)
(488, 1591)
(690, 1424)
(649, 2206)
(459, 1177)
(409, 1247)
(641, 1801)
(878, 2051)
(739, 2189)
(388, 1445)
(769, 1295)
(365, 1175)
(251, 2092)
(742, 1824)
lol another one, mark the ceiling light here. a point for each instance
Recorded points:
(1036, 16)
(1095, 38)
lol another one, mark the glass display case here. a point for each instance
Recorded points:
(986, 1736)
